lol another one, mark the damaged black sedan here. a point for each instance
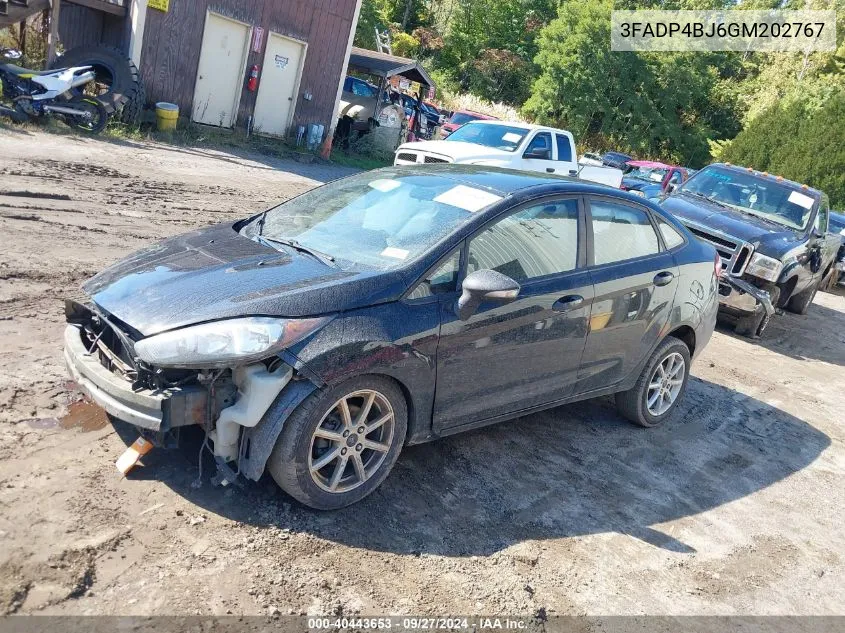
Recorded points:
(316, 339)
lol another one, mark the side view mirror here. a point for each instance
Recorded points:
(485, 285)
(543, 153)
(670, 187)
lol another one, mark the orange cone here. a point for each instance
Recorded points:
(326, 149)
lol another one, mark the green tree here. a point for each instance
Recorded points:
(801, 138)
(661, 105)
(480, 32)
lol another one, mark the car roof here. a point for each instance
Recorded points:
(617, 154)
(649, 163)
(526, 126)
(839, 215)
(486, 117)
(745, 170)
(503, 182)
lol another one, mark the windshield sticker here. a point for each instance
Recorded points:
(467, 198)
(656, 177)
(385, 184)
(510, 137)
(395, 253)
(796, 197)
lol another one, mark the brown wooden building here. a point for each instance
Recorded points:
(199, 54)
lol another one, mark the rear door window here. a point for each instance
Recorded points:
(564, 148)
(621, 232)
(671, 236)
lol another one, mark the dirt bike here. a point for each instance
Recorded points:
(34, 94)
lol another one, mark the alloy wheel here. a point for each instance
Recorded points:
(665, 384)
(351, 441)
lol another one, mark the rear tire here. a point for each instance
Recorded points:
(639, 404)
(116, 76)
(323, 458)
(96, 124)
(800, 303)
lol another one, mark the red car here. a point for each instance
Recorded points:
(459, 117)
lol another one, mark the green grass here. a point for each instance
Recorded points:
(189, 134)
(358, 161)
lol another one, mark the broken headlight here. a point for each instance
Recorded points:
(225, 343)
(764, 267)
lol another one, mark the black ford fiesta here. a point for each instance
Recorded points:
(393, 307)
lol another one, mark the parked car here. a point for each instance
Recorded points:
(650, 179)
(460, 117)
(418, 303)
(360, 105)
(771, 234)
(591, 158)
(837, 275)
(616, 159)
(507, 144)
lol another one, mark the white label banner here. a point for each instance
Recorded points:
(729, 30)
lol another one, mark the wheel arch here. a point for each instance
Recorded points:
(686, 334)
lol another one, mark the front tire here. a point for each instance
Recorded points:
(340, 444)
(800, 303)
(660, 387)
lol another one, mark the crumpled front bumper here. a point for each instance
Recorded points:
(147, 409)
(739, 295)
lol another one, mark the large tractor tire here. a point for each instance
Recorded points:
(118, 85)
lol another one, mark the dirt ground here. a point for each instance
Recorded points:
(735, 507)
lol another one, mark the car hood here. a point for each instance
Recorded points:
(636, 184)
(216, 273)
(728, 221)
(458, 151)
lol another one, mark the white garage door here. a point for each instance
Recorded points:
(225, 45)
(279, 84)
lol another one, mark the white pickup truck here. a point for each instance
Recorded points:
(509, 145)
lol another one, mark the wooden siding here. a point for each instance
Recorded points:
(82, 26)
(173, 41)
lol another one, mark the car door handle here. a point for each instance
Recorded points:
(550, 170)
(573, 172)
(569, 302)
(664, 278)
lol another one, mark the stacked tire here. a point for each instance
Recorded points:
(117, 76)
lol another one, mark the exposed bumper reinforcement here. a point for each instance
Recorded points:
(745, 297)
(153, 410)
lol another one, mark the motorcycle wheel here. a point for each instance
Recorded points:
(97, 121)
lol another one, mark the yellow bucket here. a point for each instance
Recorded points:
(167, 114)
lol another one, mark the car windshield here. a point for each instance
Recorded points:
(376, 220)
(459, 118)
(650, 174)
(504, 137)
(761, 196)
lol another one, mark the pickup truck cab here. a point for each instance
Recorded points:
(771, 233)
(509, 145)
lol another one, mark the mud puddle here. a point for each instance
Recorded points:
(83, 415)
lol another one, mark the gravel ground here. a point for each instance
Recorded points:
(733, 507)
